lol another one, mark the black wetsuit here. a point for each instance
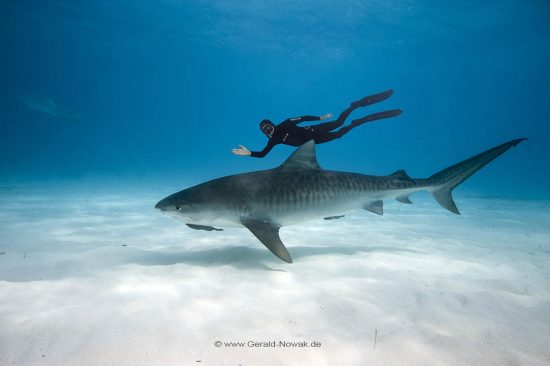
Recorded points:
(289, 133)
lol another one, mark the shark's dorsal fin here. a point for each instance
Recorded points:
(268, 233)
(302, 159)
(400, 174)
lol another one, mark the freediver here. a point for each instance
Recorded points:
(289, 133)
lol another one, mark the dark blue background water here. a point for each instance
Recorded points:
(164, 90)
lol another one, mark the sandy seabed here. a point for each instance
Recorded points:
(94, 276)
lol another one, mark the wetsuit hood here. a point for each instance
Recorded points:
(267, 127)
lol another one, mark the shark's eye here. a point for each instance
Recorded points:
(178, 208)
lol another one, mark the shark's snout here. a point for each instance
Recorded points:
(161, 206)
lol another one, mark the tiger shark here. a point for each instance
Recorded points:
(49, 106)
(300, 190)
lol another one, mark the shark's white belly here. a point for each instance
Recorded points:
(286, 214)
(292, 213)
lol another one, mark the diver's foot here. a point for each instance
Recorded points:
(376, 116)
(371, 99)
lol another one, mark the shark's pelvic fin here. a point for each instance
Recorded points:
(203, 227)
(268, 233)
(447, 179)
(303, 158)
(376, 207)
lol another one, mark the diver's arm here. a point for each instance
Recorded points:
(243, 151)
(265, 151)
(308, 118)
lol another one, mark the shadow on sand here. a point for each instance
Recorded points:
(242, 257)
(108, 258)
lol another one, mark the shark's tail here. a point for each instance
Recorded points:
(444, 181)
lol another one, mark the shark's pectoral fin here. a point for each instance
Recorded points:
(203, 227)
(333, 217)
(376, 207)
(268, 233)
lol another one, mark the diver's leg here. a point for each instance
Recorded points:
(376, 116)
(320, 138)
(371, 99)
(326, 127)
(332, 125)
(323, 128)
(321, 135)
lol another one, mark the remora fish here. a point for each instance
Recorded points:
(299, 190)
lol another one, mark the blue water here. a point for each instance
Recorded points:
(107, 106)
(163, 91)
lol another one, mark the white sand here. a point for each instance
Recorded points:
(98, 277)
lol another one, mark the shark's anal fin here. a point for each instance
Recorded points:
(203, 227)
(268, 233)
(402, 175)
(404, 199)
(376, 207)
(333, 217)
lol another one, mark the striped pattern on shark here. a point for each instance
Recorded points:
(299, 190)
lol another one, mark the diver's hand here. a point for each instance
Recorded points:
(241, 151)
(326, 116)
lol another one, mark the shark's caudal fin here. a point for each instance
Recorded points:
(447, 179)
